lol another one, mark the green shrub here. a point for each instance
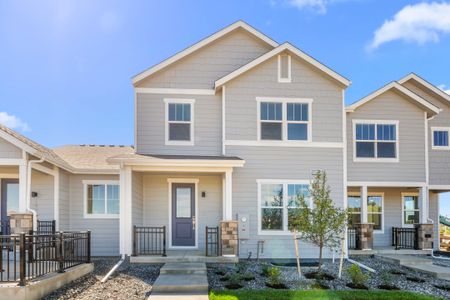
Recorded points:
(234, 278)
(273, 275)
(247, 276)
(386, 277)
(242, 267)
(356, 275)
(265, 270)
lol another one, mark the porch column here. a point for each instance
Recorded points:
(227, 195)
(363, 194)
(23, 177)
(125, 221)
(423, 205)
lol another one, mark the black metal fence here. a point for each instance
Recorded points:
(212, 241)
(352, 238)
(28, 256)
(404, 238)
(46, 227)
(149, 240)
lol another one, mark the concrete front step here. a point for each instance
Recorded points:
(404, 260)
(180, 283)
(183, 268)
(434, 270)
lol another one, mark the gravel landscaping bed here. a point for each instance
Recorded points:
(130, 281)
(407, 279)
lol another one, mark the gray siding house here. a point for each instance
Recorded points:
(228, 133)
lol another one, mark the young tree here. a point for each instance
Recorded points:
(322, 224)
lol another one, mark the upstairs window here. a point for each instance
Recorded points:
(440, 138)
(285, 120)
(376, 140)
(179, 121)
(284, 68)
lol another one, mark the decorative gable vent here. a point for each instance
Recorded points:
(284, 68)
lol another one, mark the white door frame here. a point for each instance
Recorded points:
(403, 207)
(183, 180)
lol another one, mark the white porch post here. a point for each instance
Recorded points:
(363, 193)
(227, 197)
(23, 178)
(125, 221)
(56, 197)
(423, 205)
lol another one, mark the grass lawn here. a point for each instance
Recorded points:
(315, 294)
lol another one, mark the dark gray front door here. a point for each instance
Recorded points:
(183, 215)
(10, 197)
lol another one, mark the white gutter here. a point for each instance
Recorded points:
(28, 190)
(117, 265)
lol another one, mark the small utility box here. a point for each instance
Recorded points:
(244, 226)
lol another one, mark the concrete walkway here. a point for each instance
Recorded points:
(417, 263)
(184, 281)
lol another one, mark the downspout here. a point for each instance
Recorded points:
(116, 266)
(28, 190)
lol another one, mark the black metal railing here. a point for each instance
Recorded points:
(212, 241)
(149, 240)
(46, 227)
(352, 238)
(29, 256)
(404, 238)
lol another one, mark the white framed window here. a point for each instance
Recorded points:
(440, 138)
(354, 208)
(101, 199)
(375, 211)
(410, 209)
(284, 68)
(375, 141)
(179, 128)
(277, 200)
(284, 119)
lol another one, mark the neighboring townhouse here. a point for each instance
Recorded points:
(228, 134)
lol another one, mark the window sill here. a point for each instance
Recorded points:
(274, 232)
(376, 160)
(87, 216)
(179, 143)
(441, 148)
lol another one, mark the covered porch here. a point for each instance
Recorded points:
(392, 218)
(177, 208)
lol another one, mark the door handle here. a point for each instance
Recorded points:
(193, 223)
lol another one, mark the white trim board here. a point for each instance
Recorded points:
(426, 84)
(99, 182)
(239, 24)
(169, 91)
(191, 102)
(438, 128)
(386, 184)
(424, 104)
(295, 144)
(406, 194)
(195, 181)
(284, 47)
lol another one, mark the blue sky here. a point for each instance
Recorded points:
(65, 66)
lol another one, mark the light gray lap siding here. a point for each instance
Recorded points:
(105, 232)
(8, 150)
(150, 125)
(156, 202)
(64, 200)
(434, 215)
(439, 162)
(42, 184)
(280, 163)
(411, 165)
(262, 81)
(200, 69)
(137, 199)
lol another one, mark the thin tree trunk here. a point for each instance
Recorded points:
(320, 257)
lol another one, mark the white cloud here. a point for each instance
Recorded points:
(13, 122)
(445, 88)
(419, 23)
(318, 6)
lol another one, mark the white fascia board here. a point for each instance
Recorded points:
(394, 85)
(178, 162)
(276, 51)
(202, 43)
(426, 84)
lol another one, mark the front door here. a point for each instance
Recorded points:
(9, 197)
(183, 215)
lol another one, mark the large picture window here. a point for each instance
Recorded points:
(376, 140)
(101, 199)
(284, 119)
(278, 201)
(179, 121)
